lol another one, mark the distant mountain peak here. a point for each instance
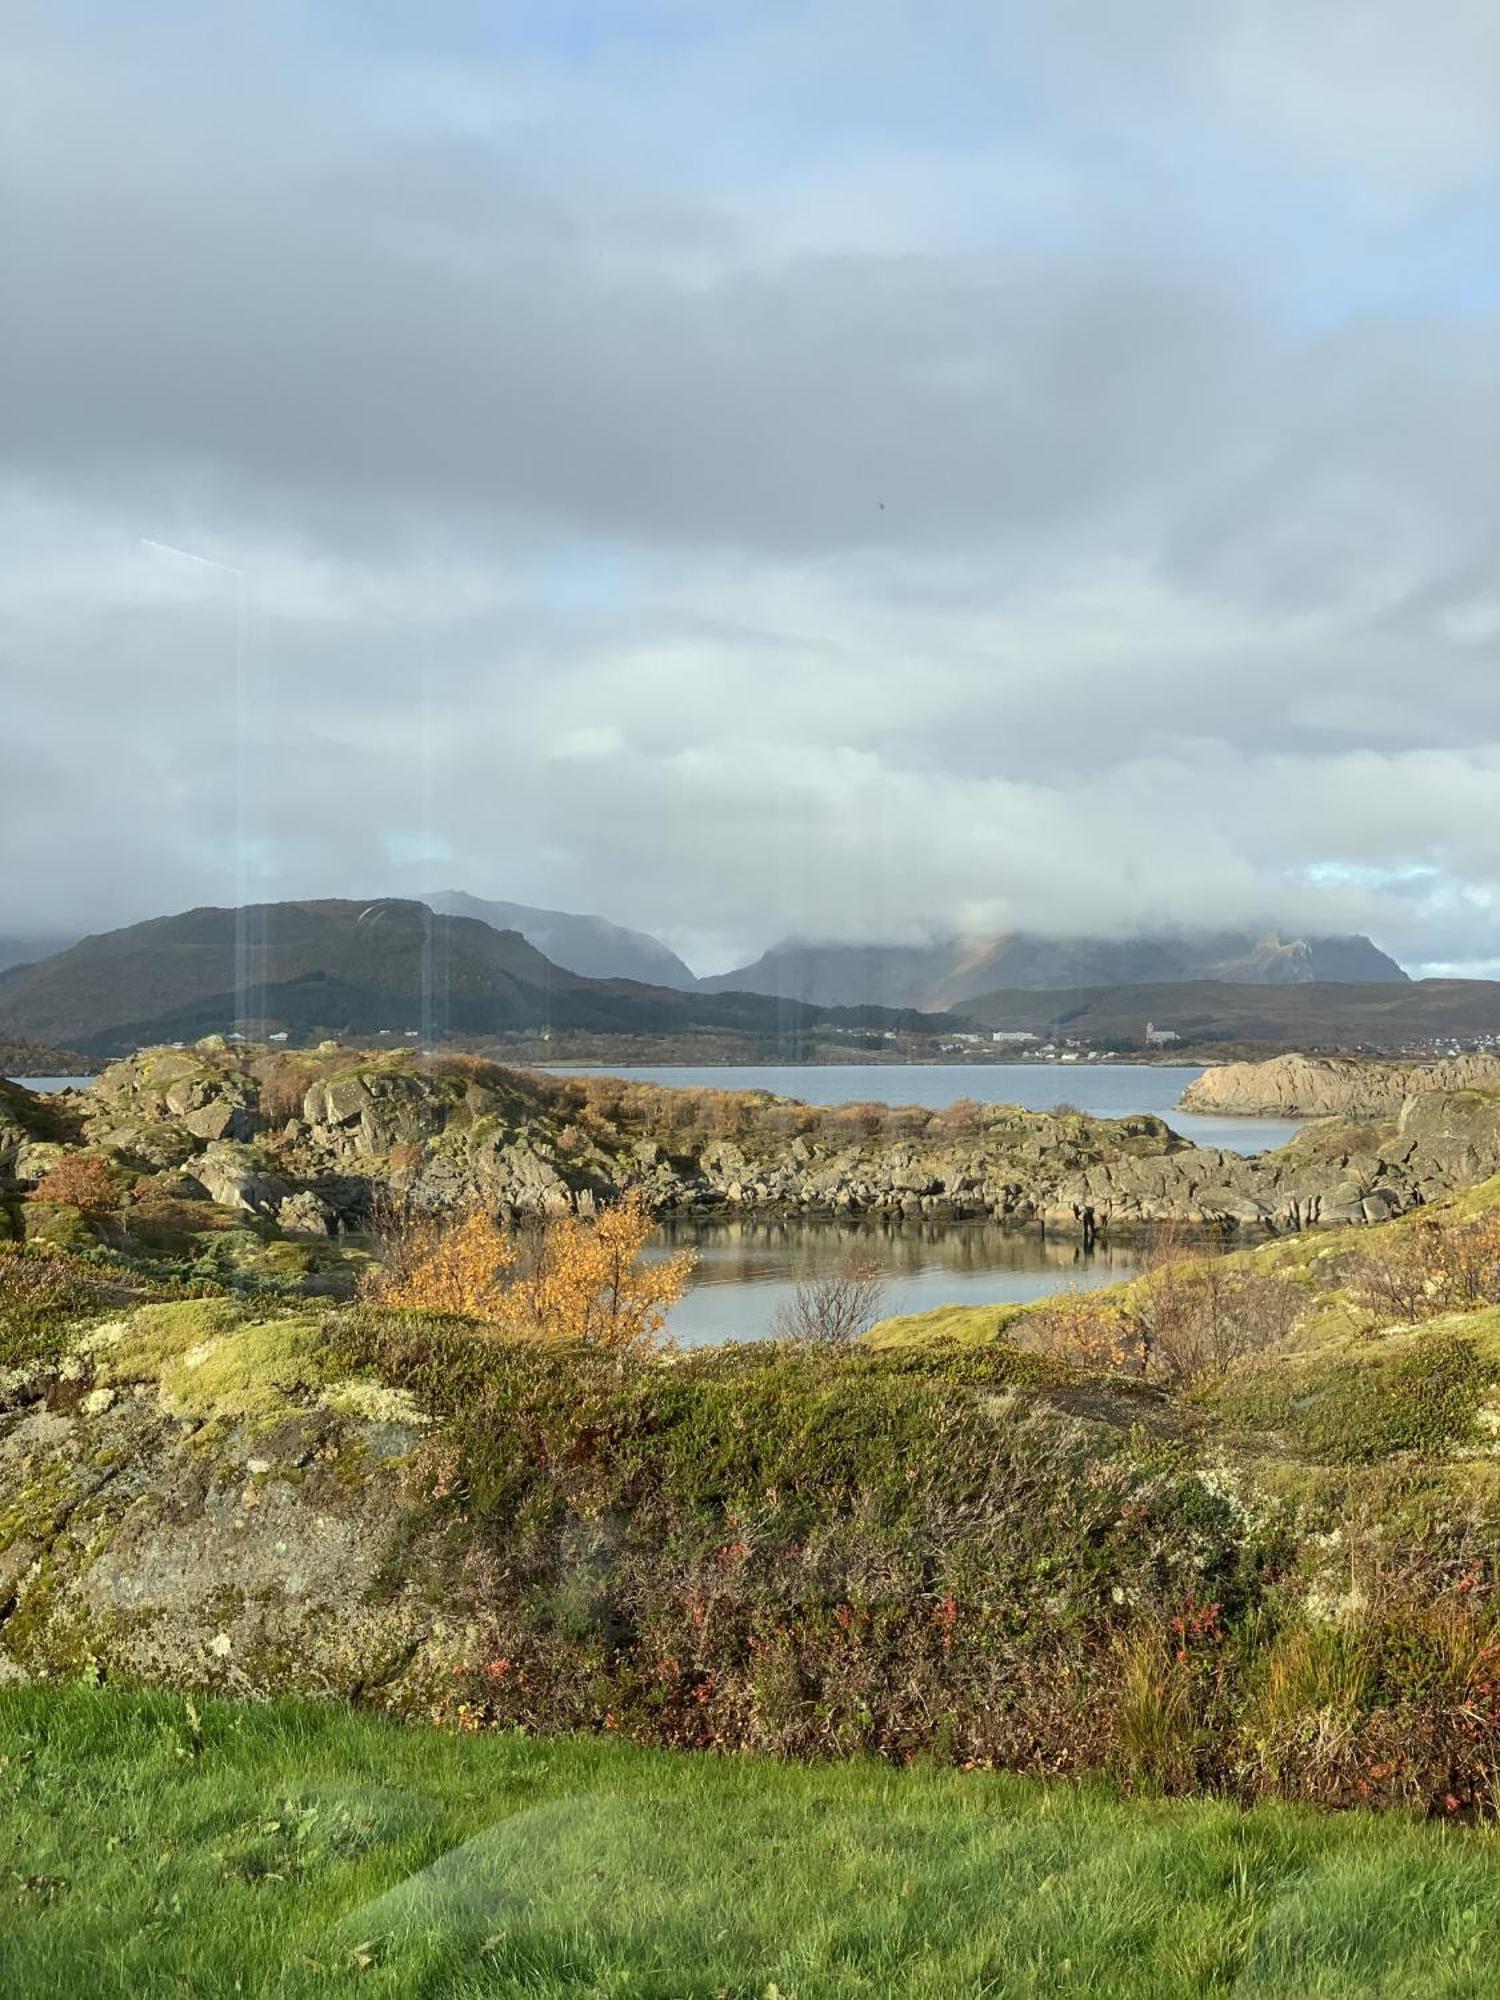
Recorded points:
(592, 946)
(948, 971)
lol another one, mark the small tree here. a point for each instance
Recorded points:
(588, 1282)
(578, 1280)
(432, 1262)
(835, 1307)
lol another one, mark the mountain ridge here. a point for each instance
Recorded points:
(338, 966)
(949, 972)
(1318, 1014)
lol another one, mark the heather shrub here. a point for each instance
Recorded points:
(1423, 1398)
(811, 1549)
(1432, 1266)
(42, 1294)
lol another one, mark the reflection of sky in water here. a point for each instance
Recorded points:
(747, 1267)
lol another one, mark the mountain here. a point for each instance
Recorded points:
(334, 968)
(590, 945)
(950, 972)
(1386, 1013)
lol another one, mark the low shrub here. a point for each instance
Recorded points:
(83, 1181)
(1431, 1266)
(43, 1295)
(1424, 1398)
(1186, 1325)
(808, 1549)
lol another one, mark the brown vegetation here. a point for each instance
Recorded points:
(1187, 1323)
(83, 1181)
(1435, 1266)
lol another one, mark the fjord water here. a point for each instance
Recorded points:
(748, 1267)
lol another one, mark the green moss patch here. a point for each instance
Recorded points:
(214, 1360)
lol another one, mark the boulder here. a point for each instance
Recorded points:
(235, 1177)
(303, 1214)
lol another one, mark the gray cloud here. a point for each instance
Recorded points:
(842, 471)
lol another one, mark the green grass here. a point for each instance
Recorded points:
(150, 1848)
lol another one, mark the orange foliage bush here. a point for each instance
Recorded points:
(587, 1281)
(443, 1264)
(1089, 1328)
(83, 1181)
(581, 1280)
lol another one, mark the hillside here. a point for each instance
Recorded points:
(19, 1057)
(323, 969)
(1324, 1014)
(25, 950)
(589, 945)
(950, 972)
(1231, 1527)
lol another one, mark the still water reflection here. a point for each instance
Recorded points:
(749, 1266)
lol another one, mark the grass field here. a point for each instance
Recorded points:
(150, 1847)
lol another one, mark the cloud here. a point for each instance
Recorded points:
(833, 469)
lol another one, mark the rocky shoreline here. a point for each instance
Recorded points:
(1296, 1086)
(301, 1145)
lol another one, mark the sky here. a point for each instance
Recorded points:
(854, 470)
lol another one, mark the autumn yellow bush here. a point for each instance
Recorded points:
(587, 1280)
(1092, 1329)
(572, 1279)
(443, 1263)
